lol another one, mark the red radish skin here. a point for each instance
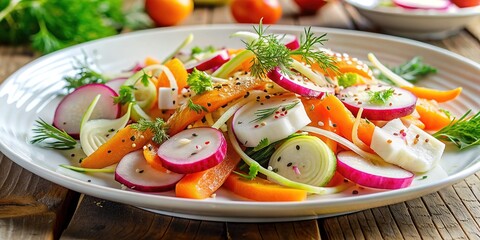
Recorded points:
(290, 41)
(116, 83)
(365, 173)
(193, 150)
(423, 4)
(301, 87)
(401, 104)
(134, 172)
(217, 60)
(70, 110)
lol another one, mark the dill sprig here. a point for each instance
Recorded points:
(158, 128)
(412, 70)
(85, 75)
(380, 97)
(262, 114)
(196, 107)
(126, 92)
(271, 53)
(49, 136)
(464, 132)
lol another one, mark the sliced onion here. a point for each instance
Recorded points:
(365, 173)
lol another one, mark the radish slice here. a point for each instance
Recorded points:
(134, 172)
(193, 150)
(304, 159)
(423, 4)
(365, 173)
(70, 110)
(298, 84)
(273, 118)
(116, 83)
(399, 103)
(215, 60)
(290, 41)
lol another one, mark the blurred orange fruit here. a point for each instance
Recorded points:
(168, 12)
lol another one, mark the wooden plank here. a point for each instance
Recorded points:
(100, 219)
(283, 230)
(386, 224)
(422, 218)
(458, 199)
(200, 16)
(404, 221)
(222, 15)
(332, 228)
(30, 206)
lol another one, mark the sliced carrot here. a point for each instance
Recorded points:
(203, 184)
(150, 154)
(434, 94)
(320, 118)
(431, 114)
(260, 189)
(344, 64)
(343, 119)
(211, 100)
(412, 120)
(179, 72)
(126, 140)
(164, 114)
(151, 61)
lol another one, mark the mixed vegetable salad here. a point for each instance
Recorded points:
(276, 121)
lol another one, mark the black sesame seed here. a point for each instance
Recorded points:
(72, 155)
(297, 147)
(279, 158)
(355, 192)
(109, 151)
(194, 134)
(141, 171)
(132, 138)
(209, 104)
(289, 164)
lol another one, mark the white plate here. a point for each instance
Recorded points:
(417, 24)
(32, 91)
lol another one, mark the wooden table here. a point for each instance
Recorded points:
(34, 208)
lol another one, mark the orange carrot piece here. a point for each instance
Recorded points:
(211, 100)
(344, 120)
(434, 94)
(151, 61)
(179, 72)
(203, 184)
(320, 118)
(344, 65)
(150, 154)
(126, 140)
(431, 115)
(260, 189)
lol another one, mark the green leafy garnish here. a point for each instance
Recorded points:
(196, 107)
(271, 53)
(199, 81)
(87, 170)
(464, 132)
(51, 137)
(267, 112)
(158, 128)
(412, 70)
(380, 97)
(85, 75)
(252, 172)
(54, 24)
(126, 95)
(198, 50)
(262, 144)
(348, 79)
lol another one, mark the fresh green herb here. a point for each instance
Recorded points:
(423, 177)
(348, 79)
(447, 113)
(87, 170)
(158, 128)
(464, 132)
(267, 112)
(199, 81)
(195, 107)
(271, 53)
(85, 75)
(52, 137)
(381, 97)
(262, 144)
(54, 24)
(126, 95)
(252, 172)
(412, 70)
(198, 50)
